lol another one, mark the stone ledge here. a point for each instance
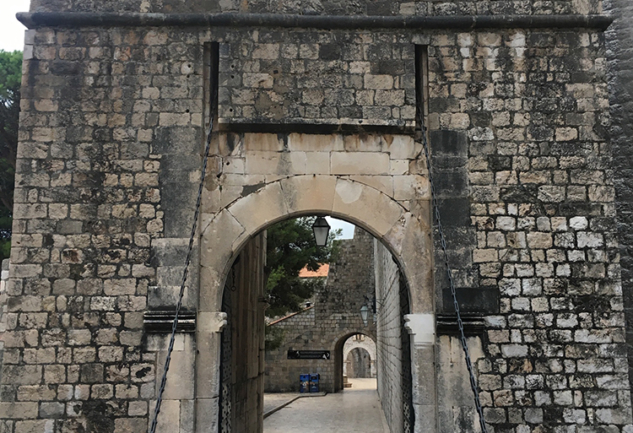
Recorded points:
(254, 20)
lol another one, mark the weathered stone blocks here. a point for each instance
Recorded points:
(108, 165)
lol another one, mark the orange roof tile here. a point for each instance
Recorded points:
(321, 272)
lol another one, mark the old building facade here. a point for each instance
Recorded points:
(316, 111)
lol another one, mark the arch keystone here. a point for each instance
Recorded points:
(366, 206)
(308, 193)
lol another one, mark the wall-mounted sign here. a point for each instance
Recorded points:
(309, 354)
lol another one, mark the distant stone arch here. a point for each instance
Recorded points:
(368, 345)
(358, 363)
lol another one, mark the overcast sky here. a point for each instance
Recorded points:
(348, 229)
(11, 30)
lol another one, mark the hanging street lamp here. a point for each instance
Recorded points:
(364, 313)
(321, 230)
(369, 306)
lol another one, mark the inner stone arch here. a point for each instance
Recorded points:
(405, 233)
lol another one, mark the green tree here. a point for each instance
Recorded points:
(290, 247)
(10, 79)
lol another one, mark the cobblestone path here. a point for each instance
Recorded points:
(353, 410)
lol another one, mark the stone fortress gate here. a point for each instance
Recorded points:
(316, 112)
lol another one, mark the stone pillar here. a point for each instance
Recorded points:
(421, 327)
(208, 341)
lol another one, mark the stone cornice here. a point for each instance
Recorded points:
(329, 22)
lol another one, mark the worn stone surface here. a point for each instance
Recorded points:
(108, 165)
(621, 96)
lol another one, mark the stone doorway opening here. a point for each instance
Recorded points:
(359, 357)
(364, 274)
(234, 220)
(359, 364)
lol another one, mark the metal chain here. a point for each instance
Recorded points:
(436, 209)
(185, 274)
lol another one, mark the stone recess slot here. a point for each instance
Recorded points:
(162, 321)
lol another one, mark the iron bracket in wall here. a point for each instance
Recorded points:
(162, 321)
(447, 324)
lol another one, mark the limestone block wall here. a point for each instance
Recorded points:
(244, 360)
(389, 337)
(4, 276)
(108, 163)
(401, 7)
(95, 241)
(300, 332)
(619, 38)
(350, 282)
(327, 78)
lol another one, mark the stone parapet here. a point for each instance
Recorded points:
(320, 7)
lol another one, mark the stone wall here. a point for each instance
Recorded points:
(619, 40)
(311, 7)
(389, 337)
(242, 360)
(334, 318)
(108, 164)
(4, 276)
(358, 364)
(324, 78)
(350, 283)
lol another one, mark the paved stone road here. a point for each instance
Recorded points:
(272, 401)
(354, 410)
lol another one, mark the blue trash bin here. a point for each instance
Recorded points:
(304, 383)
(314, 382)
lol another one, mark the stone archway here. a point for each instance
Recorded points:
(401, 225)
(358, 362)
(368, 345)
(404, 233)
(340, 354)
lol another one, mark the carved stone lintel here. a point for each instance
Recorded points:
(209, 322)
(421, 327)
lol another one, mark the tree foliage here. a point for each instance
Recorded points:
(10, 79)
(290, 247)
